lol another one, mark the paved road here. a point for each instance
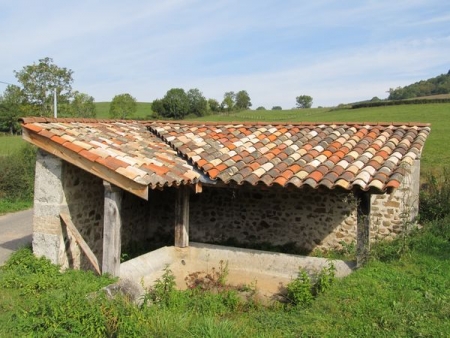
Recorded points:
(15, 232)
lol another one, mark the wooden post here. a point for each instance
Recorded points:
(112, 225)
(182, 217)
(363, 228)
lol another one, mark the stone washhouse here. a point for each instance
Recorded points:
(105, 186)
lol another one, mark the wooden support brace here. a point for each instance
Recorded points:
(363, 228)
(182, 217)
(112, 225)
(81, 242)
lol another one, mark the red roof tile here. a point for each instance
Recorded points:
(161, 154)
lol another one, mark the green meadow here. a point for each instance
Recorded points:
(10, 144)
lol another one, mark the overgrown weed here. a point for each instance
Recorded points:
(302, 290)
(435, 196)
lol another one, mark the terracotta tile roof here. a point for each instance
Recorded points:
(362, 156)
(125, 147)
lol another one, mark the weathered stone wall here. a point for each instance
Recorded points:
(391, 214)
(83, 194)
(307, 218)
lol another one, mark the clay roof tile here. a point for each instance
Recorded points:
(338, 154)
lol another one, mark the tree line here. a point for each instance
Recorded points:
(41, 82)
(433, 86)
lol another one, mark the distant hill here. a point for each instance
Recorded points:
(435, 86)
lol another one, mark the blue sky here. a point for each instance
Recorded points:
(335, 51)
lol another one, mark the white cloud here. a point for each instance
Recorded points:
(334, 51)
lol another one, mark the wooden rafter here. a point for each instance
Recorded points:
(71, 228)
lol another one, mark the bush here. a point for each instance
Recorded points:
(302, 290)
(17, 174)
(435, 197)
(299, 291)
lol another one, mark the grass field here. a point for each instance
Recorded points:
(10, 144)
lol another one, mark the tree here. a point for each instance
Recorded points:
(175, 104)
(122, 106)
(197, 102)
(11, 108)
(82, 105)
(260, 108)
(277, 108)
(304, 101)
(228, 102)
(242, 100)
(158, 107)
(39, 81)
(214, 105)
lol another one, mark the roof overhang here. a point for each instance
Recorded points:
(94, 168)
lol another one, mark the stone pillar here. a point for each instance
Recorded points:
(415, 189)
(362, 228)
(182, 217)
(48, 202)
(112, 226)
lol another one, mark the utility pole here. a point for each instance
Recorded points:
(55, 105)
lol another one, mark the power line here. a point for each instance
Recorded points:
(7, 83)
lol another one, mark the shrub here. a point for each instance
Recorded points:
(325, 279)
(162, 290)
(435, 197)
(17, 174)
(299, 290)
(302, 290)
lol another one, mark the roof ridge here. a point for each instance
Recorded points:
(41, 119)
(32, 119)
(350, 123)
